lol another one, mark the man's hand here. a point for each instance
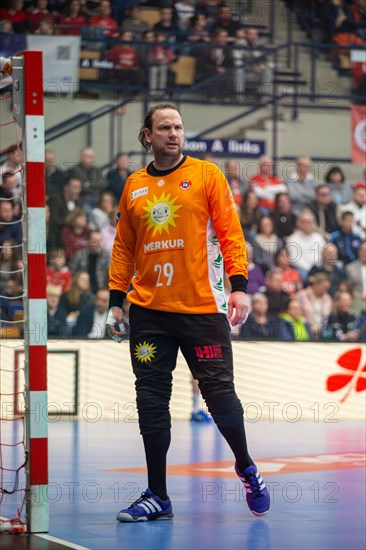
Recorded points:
(238, 308)
(116, 328)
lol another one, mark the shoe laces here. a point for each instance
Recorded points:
(254, 484)
(143, 497)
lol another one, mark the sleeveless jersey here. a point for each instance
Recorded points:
(175, 235)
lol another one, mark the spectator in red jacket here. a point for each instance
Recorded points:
(266, 186)
(127, 63)
(104, 20)
(15, 13)
(37, 13)
(75, 233)
(73, 18)
(57, 272)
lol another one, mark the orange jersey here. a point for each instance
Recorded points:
(174, 234)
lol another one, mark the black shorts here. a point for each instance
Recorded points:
(204, 340)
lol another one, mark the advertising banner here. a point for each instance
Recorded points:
(61, 58)
(60, 61)
(358, 117)
(276, 381)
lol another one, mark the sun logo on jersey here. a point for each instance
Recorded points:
(161, 213)
(145, 352)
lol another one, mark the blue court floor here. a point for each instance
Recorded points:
(315, 473)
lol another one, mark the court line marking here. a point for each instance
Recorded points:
(62, 542)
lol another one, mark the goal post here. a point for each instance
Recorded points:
(28, 109)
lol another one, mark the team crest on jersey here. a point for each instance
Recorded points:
(145, 352)
(161, 213)
(185, 184)
(161, 183)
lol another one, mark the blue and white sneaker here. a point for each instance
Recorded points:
(147, 507)
(256, 491)
(201, 416)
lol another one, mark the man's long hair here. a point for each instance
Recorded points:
(148, 122)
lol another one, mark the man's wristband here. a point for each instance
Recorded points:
(239, 282)
(116, 298)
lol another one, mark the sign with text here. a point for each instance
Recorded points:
(225, 147)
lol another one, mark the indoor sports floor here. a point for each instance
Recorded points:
(315, 472)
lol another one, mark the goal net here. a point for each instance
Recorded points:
(23, 316)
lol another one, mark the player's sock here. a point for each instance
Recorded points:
(236, 438)
(196, 402)
(156, 448)
(227, 412)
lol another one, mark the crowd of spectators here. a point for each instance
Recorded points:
(305, 238)
(306, 250)
(228, 47)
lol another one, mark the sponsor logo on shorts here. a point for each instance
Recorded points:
(208, 352)
(145, 352)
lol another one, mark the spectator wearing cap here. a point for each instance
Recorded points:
(358, 207)
(185, 10)
(345, 239)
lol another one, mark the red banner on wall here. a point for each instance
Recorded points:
(358, 116)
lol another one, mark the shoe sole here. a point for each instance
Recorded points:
(258, 514)
(126, 518)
